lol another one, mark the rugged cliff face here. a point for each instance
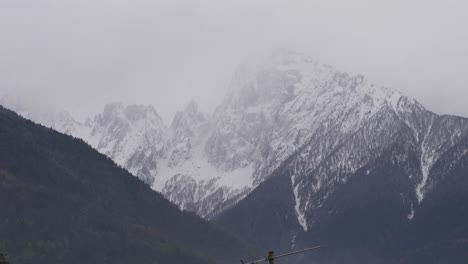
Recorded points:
(133, 136)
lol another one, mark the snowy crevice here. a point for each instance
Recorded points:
(427, 161)
(300, 214)
(411, 214)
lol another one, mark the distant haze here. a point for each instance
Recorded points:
(82, 54)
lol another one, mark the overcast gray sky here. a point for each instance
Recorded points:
(81, 54)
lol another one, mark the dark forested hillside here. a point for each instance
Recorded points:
(63, 202)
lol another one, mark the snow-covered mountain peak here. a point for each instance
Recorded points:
(276, 107)
(188, 117)
(131, 113)
(280, 106)
(133, 136)
(279, 76)
(188, 129)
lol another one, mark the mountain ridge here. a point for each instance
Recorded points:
(277, 104)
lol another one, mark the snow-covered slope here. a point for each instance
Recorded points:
(188, 178)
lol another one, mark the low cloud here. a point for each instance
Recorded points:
(82, 54)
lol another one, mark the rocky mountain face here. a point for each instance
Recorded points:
(363, 169)
(283, 112)
(133, 136)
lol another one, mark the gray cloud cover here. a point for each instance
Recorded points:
(81, 54)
